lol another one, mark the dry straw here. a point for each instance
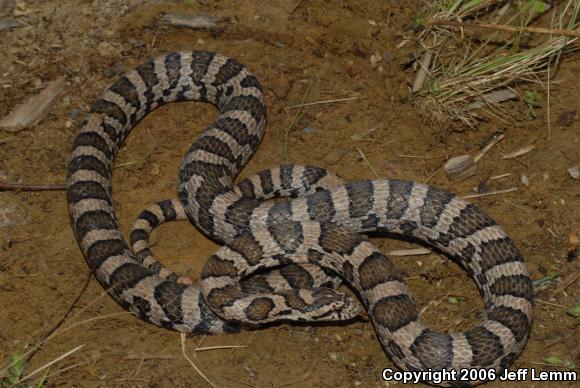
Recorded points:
(472, 69)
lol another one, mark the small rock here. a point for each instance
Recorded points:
(358, 332)
(309, 130)
(6, 24)
(387, 56)
(574, 172)
(567, 118)
(74, 114)
(333, 356)
(250, 371)
(460, 167)
(525, 180)
(375, 59)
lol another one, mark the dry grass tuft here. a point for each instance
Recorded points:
(466, 69)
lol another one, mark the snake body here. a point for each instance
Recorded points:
(320, 227)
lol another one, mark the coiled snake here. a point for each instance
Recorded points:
(320, 228)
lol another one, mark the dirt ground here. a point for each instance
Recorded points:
(321, 49)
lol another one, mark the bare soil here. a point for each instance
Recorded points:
(321, 49)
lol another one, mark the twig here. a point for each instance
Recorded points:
(433, 173)
(550, 303)
(219, 347)
(49, 364)
(500, 176)
(242, 382)
(65, 369)
(297, 117)
(300, 380)
(22, 187)
(49, 333)
(566, 284)
(145, 356)
(494, 141)
(504, 27)
(2, 371)
(364, 158)
(434, 301)
(192, 363)
(422, 156)
(495, 192)
(322, 102)
(547, 364)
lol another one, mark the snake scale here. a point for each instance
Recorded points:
(320, 228)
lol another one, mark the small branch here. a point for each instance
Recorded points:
(322, 102)
(364, 158)
(184, 353)
(550, 303)
(23, 187)
(423, 156)
(504, 27)
(496, 192)
(49, 333)
(494, 141)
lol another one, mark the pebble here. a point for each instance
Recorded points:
(333, 356)
(309, 130)
(525, 180)
(74, 114)
(574, 172)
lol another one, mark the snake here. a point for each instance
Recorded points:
(255, 231)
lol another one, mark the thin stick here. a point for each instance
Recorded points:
(433, 173)
(219, 347)
(50, 363)
(566, 284)
(496, 192)
(546, 364)
(192, 363)
(300, 380)
(422, 156)
(297, 117)
(322, 102)
(242, 382)
(494, 141)
(4, 186)
(548, 104)
(149, 357)
(65, 369)
(550, 303)
(62, 319)
(500, 176)
(33, 349)
(504, 27)
(364, 158)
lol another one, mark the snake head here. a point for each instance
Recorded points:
(331, 305)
